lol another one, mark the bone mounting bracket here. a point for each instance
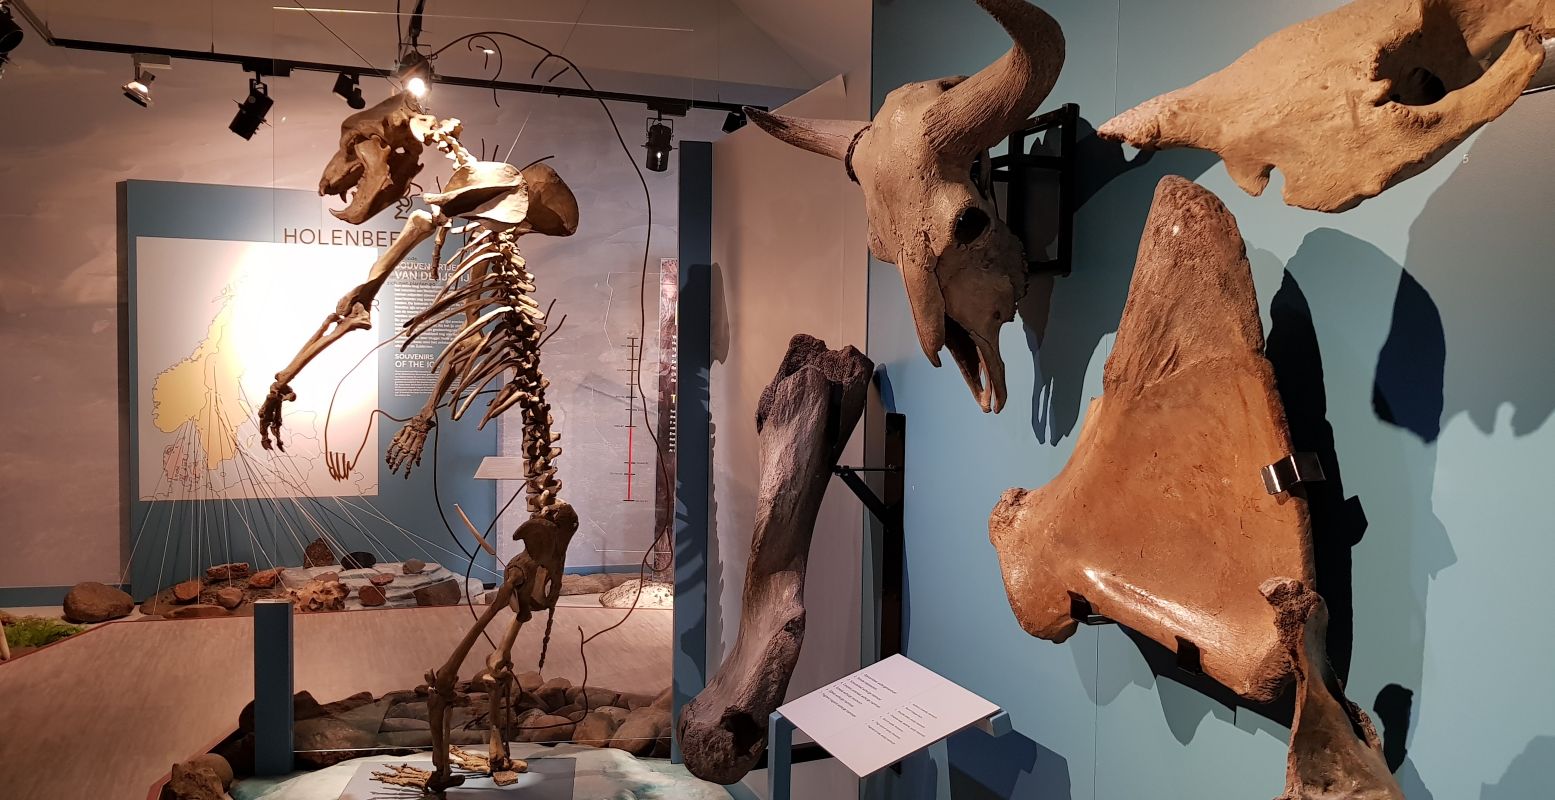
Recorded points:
(1080, 611)
(1038, 166)
(1294, 469)
(888, 509)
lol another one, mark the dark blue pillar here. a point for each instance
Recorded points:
(693, 452)
(272, 687)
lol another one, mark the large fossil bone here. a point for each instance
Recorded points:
(803, 420)
(1335, 753)
(1352, 102)
(1161, 522)
(963, 268)
(378, 156)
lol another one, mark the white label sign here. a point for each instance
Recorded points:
(884, 713)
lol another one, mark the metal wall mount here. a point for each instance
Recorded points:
(1291, 470)
(1046, 145)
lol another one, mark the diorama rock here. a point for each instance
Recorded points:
(597, 728)
(326, 741)
(318, 554)
(546, 728)
(529, 681)
(554, 693)
(360, 559)
(640, 594)
(592, 583)
(229, 597)
(592, 697)
(408, 711)
(194, 780)
(237, 570)
(442, 593)
(370, 595)
(264, 579)
(96, 602)
(380, 579)
(188, 591)
(641, 731)
(413, 566)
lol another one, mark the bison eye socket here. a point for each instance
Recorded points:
(970, 225)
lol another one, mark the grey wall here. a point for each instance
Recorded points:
(72, 137)
(788, 254)
(1414, 331)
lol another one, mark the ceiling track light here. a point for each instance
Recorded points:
(253, 110)
(349, 86)
(138, 90)
(661, 135)
(734, 121)
(414, 73)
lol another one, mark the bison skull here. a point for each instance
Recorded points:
(379, 155)
(1350, 103)
(963, 268)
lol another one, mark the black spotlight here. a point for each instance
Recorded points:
(252, 112)
(734, 122)
(350, 87)
(661, 132)
(10, 32)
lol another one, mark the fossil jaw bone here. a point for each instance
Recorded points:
(1350, 103)
(963, 269)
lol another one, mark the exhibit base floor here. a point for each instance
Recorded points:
(562, 772)
(143, 695)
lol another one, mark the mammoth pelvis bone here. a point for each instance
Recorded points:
(1352, 102)
(803, 420)
(1160, 521)
(963, 268)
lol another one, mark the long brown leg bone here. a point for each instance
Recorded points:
(1160, 520)
(351, 313)
(803, 421)
(1335, 753)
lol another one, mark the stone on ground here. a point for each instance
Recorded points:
(96, 602)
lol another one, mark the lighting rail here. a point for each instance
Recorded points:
(280, 67)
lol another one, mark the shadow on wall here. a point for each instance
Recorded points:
(1332, 292)
(1488, 306)
(1338, 522)
(1394, 708)
(1065, 319)
(977, 766)
(1528, 776)
(718, 353)
(999, 764)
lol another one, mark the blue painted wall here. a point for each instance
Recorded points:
(1412, 338)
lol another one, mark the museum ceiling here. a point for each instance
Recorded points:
(732, 41)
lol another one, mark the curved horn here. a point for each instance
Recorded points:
(829, 137)
(977, 113)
